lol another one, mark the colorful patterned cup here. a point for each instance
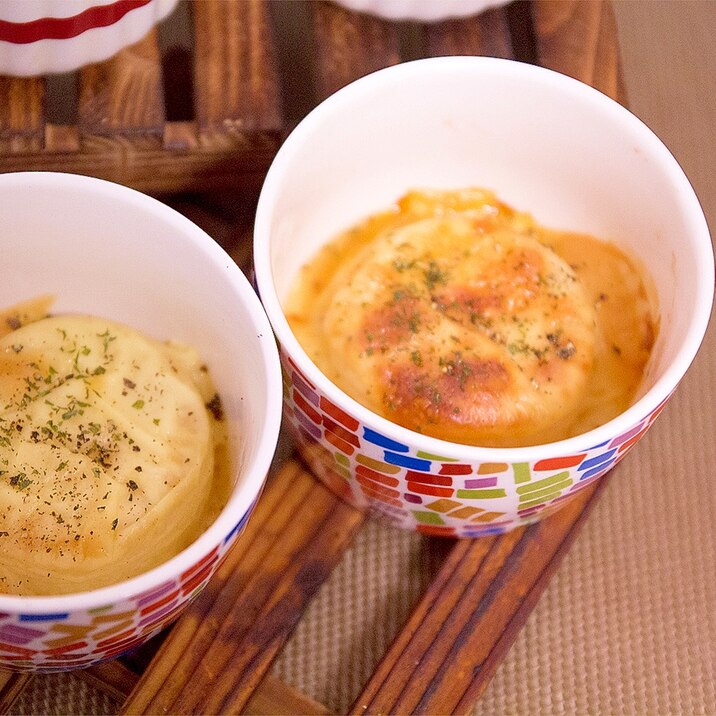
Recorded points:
(39, 37)
(107, 250)
(420, 10)
(544, 143)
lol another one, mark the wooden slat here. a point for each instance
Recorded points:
(111, 677)
(275, 697)
(222, 647)
(22, 125)
(349, 45)
(123, 96)
(61, 138)
(484, 34)
(11, 686)
(466, 621)
(235, 77)
(181, 136)
(239, 163)
(580, 39)
(272, 695)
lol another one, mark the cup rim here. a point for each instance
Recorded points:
(253, 476)
(415, 70)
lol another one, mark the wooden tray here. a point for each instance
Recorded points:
(215, 659)
(194, 105)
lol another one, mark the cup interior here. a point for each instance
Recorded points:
(102, 249)
(543, 142)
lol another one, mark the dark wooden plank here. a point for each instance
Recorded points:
(11, 686)
(112, 677)
(22, 125)
(349, 45)
(181, 136)
(235, 75)
(272, 696)
(239, 163)
(222, 647)
(485, 34)
(580, 39)
(123, 96)
(276, 698)
(444, 657)
(61, 139)
(61, 100)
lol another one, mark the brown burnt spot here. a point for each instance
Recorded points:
(451, 391)
(13, 322)
(215, 407)
(507, 285)
(394, 323)
(467, 305)
(563, 347)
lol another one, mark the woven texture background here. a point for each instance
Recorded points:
(627, 625)
(63, 695)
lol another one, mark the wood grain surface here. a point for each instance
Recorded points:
(235, 75)
(487, 34)
(222, 647)
(123, 96)
(116, 126)
(579, 39)
(113, 678)
(22, 123)
(11, 686)
(239, 164)
(349, 45)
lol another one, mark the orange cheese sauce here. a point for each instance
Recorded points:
(458, 317)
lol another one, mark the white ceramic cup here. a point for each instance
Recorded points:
(109, 251)
(546, 144)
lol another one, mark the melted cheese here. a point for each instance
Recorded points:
(455, 316)
(107, 454)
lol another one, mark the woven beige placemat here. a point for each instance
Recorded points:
(63, 695)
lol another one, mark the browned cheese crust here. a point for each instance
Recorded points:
(454, 315)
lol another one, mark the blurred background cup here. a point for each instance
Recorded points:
(546, 144)
(420, 10)
(39, 37)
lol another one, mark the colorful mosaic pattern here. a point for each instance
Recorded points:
(432, 494)
(62, 641)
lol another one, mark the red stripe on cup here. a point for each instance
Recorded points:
(63, 28)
